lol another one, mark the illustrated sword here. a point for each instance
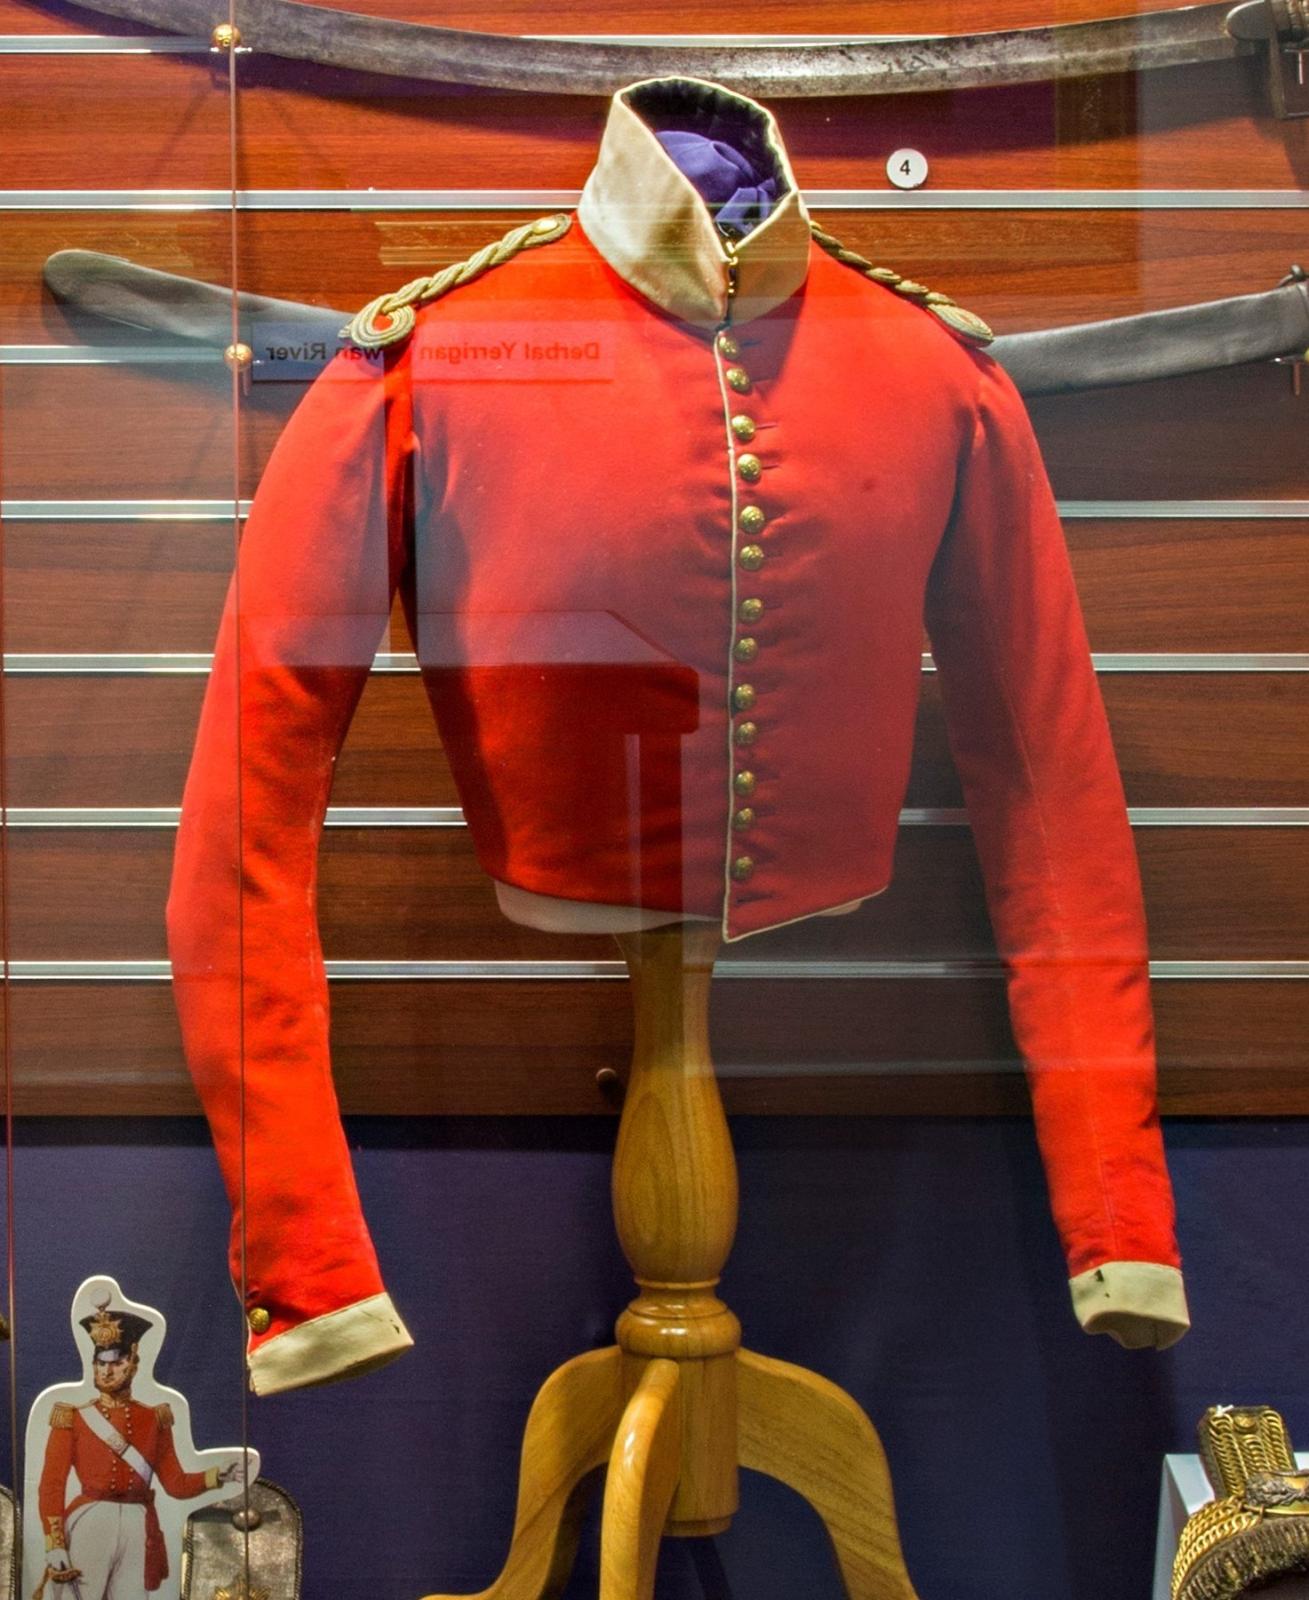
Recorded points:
(770, 70)
(1270, 325)
(72, 1585)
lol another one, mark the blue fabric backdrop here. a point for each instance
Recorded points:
(912, 1262)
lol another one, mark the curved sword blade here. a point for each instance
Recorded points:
(1158, 344)
(305, 32)
(182, 310)
(1085, 355)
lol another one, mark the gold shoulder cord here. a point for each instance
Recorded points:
(395, 309)
(966, 324)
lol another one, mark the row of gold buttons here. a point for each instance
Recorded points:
(118, 1412)
(750, 519)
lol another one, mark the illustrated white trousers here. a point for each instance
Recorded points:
(106, 1540)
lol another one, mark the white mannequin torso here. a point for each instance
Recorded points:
(552, 914)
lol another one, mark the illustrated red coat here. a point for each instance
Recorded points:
(103, 1474)
(595, 554)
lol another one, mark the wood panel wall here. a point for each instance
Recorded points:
(107, 736)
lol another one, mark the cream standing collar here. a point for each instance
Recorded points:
(650, 224)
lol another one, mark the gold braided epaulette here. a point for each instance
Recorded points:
(1258, 1527)
(967, 324)
(61, 1415)
(391, 317)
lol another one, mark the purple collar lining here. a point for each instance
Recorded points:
(738, 194)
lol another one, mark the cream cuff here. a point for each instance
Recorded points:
(1139, 1303)
(342, 1344)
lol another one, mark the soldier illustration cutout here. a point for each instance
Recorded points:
(99, 1452)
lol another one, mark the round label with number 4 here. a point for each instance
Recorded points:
(907, 169)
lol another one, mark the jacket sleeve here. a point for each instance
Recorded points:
(317, 568)
(176, 1480)
(52, 1491)
(1030, 740)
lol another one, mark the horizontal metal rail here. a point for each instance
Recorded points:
(110, 355)
(197, 663)
(453, 817)
(370, 200)
(101, 44)
(220, 510)
(821, 970)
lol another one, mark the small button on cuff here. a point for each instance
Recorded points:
(746, 732)
(738, 379)
(260, 1320)
(750, 468)
(742, 867)
(751, 557)
(743, 427)
(750, 519)
(750, 610)
(745, 649)
(743, 696)
(744, 782)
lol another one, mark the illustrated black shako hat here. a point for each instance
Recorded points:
(115, 1330)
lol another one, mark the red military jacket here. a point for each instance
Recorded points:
(104, 1474)
(667, 521)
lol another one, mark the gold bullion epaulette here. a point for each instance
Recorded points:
(61, 1416)
(1258, 1527)
(391, 316)
(165, 1415)
(967, 324)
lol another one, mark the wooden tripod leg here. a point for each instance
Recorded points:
(802, 1430)
(569, 1432)
(643, 1472)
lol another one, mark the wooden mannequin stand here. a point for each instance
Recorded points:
(676, 1406)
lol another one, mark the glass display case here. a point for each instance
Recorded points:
(647, 648)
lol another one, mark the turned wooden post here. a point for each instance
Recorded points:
(675, 1207)
(671, 1409)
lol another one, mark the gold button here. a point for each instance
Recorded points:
(259, 1320)
(743, 819)
(739, 379)
(750, 468)
(750, 610)
(745, 649)
(751, 557)
(750, 519)
(743, 696)
(728, 346)
(743, 427)
(743, 783)
(742, 867)
(746, 732)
